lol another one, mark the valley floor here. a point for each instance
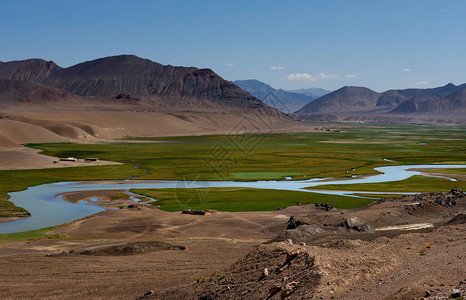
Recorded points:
(124, 253)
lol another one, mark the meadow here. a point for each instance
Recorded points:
(248, 157)
(31, 235)
(243, 199)
(415, 183)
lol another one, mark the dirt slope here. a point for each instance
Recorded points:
(32, 127)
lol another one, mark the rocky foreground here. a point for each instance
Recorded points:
(360, 263)
(410, 266)
(404, 248)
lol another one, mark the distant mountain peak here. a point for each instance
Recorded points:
(282, 100)
(121, 58)
(449, 85)
(352, 99)
(34, 69)
(313, 92)
(355, 88)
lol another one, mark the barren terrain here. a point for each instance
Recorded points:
(337, 262)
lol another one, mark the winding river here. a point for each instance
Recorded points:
(47, 209)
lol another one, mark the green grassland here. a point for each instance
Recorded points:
(413, 184)
(447, 171)
(31, 235)
(378, 196)
(242, 199)
(252, 157)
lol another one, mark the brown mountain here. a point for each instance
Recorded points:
(346, 99)
(357, 100)
(454, 102)
(137, 78)
(27, 70)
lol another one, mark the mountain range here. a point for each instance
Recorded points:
(447, 99)
(285, 101)
(122, 78)
(313, 92)
(127, 82)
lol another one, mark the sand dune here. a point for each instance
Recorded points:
(18, 132)
(32, 127)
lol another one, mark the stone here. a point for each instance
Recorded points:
(274, 289)
(148, 293)
(291, 255)
(357, 224)
(264, 273)
(294, 223)
(288, 289)
(324, 206)
(455, 293)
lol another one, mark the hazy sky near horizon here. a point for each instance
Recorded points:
(287, 44)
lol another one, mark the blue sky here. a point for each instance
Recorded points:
(327, 44)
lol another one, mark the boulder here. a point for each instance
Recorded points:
(139, 206)
(274, 289)
(357, 224)
(325, 206)
(288, 289)
(455, 293)
(294, 223)
(264, 273)
(457, 192)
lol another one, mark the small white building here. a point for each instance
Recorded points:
(69, 159)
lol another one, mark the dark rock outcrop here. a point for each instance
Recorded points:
(131, 248)
(294, 223)
(426, 201)
(354, 223)
(325, 206)
(139, 206)
(458, 219)
(291, 275)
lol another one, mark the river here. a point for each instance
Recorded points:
(47, 209)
